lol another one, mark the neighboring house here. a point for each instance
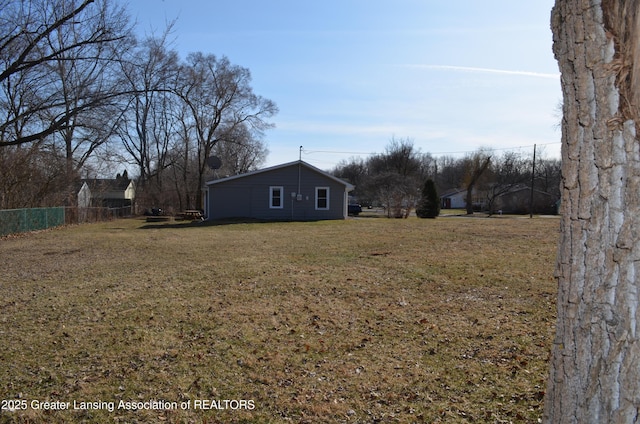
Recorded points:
(83, 195)
(518, 199)
(293, 191)
(119, 192)
(454, 199)
(457, 199)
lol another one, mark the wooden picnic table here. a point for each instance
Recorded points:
(194, 215)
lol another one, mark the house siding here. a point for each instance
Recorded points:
(518, 202)
(84, 196)
(248, 196)
(455, 200)
(112, 193)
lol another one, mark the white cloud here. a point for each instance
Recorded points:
(483, 70)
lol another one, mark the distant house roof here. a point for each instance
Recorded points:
(107, 184)
(521, 187)
(284, 165)
(119, 188)
(519, 200)
(453, 192)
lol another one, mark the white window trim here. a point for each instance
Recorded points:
(271, 190)
(328, 197)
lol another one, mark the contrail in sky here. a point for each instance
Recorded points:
(486, 70)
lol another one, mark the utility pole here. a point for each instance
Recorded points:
(533, 175)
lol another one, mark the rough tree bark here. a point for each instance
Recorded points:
(595, 372)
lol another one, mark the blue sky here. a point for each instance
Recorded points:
(350, 75)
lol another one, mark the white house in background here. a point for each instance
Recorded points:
(83, 195)
(457, 199)
(454, 199)
(119, 192)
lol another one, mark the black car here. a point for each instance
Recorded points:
(354, 209)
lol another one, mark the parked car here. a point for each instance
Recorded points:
(354, 209)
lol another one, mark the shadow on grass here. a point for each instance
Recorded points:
(211, 223)
(364, 216)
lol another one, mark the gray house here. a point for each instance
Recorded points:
(293, 191)
(518, 199)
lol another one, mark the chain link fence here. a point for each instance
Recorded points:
(14, 221)
(22, 220)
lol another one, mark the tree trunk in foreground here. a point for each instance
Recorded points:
(595, 365)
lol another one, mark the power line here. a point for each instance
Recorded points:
(530, 146)
(338, 152)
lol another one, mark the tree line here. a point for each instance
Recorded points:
(396, 178)
(80, 92)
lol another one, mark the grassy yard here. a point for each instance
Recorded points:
(365, 320)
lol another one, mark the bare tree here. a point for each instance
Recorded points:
(182, 173)
(150, 125)
(392, 191)
(37, 37)
(396, 176)
(240, 151)
(475, 166)
(506, 172)
(220, 99)
(449, 173)
(356, 172)
(31, 177)
(548, 175)
(594, 375)
(87, 74)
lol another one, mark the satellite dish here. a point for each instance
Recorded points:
(214, 162)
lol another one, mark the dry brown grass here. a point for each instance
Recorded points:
(363, 320)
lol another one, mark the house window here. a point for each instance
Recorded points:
(275, 197)
(322, 198)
